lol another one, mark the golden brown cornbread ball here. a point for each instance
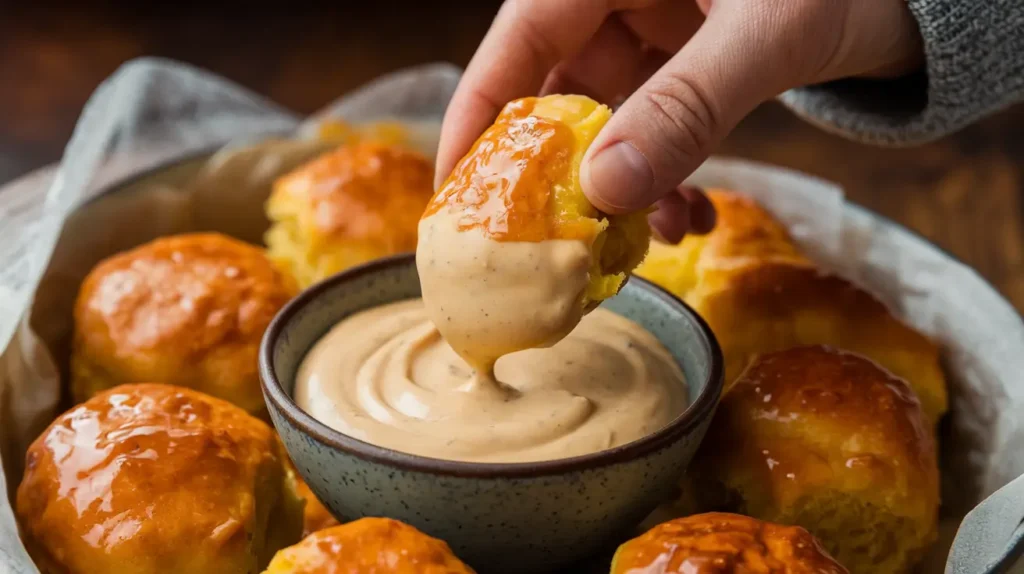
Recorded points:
(368, 546)
(830, 441)
(719, 543)
(357, 203)
(156, 479)
(759, 294)
(187, 310)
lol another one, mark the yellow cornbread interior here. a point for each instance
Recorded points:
(620, 242)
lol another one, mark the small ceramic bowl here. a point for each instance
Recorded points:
(522, 517)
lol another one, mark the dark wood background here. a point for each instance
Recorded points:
(963, 193)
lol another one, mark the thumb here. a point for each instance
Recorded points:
(671, 123)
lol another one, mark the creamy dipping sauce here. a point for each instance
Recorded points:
(387, 377)
(489, 298)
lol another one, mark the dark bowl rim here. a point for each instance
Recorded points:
(697, 412)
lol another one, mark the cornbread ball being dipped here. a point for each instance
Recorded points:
(188, 310)
(511, 252)
(830, 441)
(157, 479)
(355, 204)
(368, 546)
(758, 293)
(724, 544)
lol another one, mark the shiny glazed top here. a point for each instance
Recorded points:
(515, 184)
(813, 419)
(377, 545)
(717, 543)
(386, 377)
(365, 191)
(190, 292)
(152, 478)
(188, 310)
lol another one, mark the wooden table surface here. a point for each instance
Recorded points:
(963, 193)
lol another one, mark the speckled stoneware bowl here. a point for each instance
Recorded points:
(523, 517)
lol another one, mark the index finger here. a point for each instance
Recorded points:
(525, 41)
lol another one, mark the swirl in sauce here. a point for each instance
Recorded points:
(385, 376)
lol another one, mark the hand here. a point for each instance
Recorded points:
(684, 72)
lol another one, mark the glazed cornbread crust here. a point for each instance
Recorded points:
(830, 441)
(187, 310)
(151, 479)
(368, 546)
(759, 294)
(357, 203)
(724, 543)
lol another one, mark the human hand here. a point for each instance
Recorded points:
(685, 73)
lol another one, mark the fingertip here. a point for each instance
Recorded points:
(617, 178)
(702, 212)
(670, 221)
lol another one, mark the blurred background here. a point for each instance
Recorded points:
(963, 193)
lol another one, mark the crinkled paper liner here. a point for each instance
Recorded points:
(151, 113)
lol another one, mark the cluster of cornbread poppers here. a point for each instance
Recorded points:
(821, 457)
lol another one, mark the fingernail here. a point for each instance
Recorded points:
(620, 179)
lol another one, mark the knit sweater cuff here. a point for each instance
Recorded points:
(974, 52)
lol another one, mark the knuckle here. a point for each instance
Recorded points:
(686, 113)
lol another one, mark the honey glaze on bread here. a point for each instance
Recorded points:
(368, 546)
(720, 543)
(151, 479)
(188, 310)
(830, 441)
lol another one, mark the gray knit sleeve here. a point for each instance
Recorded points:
(974, 51)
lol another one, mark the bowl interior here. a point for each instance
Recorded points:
(310, 315)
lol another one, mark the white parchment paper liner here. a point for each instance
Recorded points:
(53, 230)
